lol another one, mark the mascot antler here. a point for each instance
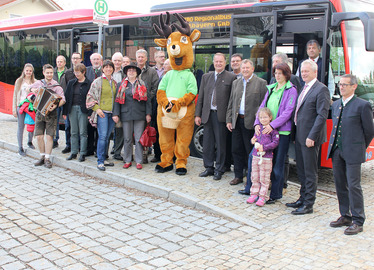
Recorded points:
(165, 29)
(185, 29)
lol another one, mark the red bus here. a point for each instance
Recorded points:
(257, 30)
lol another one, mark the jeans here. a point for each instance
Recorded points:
(105, 126)
(78, 121)
(21, 127)
(277, 176)
(248, 185)
(67, 132)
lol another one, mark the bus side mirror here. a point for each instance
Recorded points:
(367, 19)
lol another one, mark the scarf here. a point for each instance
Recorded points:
(139, 94)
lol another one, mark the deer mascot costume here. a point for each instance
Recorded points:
(176, 92)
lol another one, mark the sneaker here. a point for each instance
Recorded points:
(101, 167)
(261, 202)
(30, 145)
(40, 162)
(47, 163)
(252, 199)
(21, 152)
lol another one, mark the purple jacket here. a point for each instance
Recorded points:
(268, 141)
(283, 121)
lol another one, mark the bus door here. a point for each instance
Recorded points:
(294, 28)
(65, 44)
(113, 40)
(252, 36)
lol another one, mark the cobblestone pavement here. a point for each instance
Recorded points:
(40, 218)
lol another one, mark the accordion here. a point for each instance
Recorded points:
(45, 99)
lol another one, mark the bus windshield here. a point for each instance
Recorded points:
(361, 61)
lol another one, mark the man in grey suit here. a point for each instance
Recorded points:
(310, 118)
(352, 133)
(246, 96)
(210, 110)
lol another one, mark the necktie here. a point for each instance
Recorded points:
(300, 99)
(214, 101)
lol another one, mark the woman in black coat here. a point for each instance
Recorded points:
(133, 109)
(75, 107)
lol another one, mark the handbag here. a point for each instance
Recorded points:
(148, 137)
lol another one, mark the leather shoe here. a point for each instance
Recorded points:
(40, 162)
(72, 156)
(66, 150)
(271, 201)
(217, 176)
(302, 210)
(206, 173)
(82, 158)
(353, 229)
(55, 145)
(236, 181)
(118, 157)
(243, 192)
(296, 204)
(340, 222)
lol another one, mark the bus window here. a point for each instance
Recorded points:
(337, 56)
(252, 38)
(361, 61)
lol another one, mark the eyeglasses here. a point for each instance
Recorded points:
(343, 85)
(76, 58)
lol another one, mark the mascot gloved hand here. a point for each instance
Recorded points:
(176, 94)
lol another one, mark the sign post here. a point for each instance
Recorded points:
(101, 18)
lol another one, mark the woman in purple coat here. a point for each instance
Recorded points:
(280, 99)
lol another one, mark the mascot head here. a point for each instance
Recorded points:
(178, 44)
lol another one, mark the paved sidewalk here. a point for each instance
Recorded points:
(284, 238)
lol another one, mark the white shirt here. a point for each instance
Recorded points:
(242, 101)
(310, 84)
(345, 101)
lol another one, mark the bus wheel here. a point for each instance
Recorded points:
(196, 146)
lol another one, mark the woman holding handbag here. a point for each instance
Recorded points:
(133, 108)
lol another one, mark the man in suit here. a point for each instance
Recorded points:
(310, 118)
(352, 133)
(313, 50)
(246, 96)
(211, 108)
(94, 71)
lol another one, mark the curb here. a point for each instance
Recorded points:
(140, 185)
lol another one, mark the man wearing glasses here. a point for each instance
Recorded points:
(352, 133)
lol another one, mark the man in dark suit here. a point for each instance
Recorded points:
(94, 71)
(313, 50)
(246, 96)
(352, 133)
(214, 95)
(310, 118)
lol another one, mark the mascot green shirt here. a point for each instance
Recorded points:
(177, 83)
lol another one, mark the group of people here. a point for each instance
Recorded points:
(93, 100)
(263, 120)
(259, 119)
